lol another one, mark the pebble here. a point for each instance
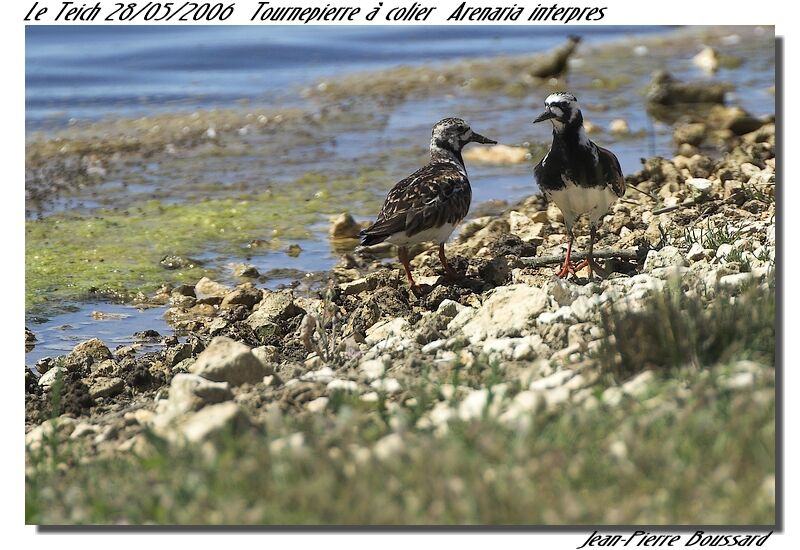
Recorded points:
(317, 405)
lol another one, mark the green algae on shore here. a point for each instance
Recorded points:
(116, 252)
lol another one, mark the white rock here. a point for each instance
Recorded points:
(583, 307)
(562, 291)
(669, 256)
(561, 315)
(462, 318)
(473, 404)
(618, 450)
(737, 280)
(293, 442)
(701, 186)
(521, 408)
(638, 385)
(441, 413)
(348, 386)
(370, 397)
(506, 312)
(372, 368)
(323, 375)
(497, 154)
(190, 392)
(225, 360)
(381, 331)
(387, 385)
(214, 420)
(61, 426)
(739, 381)
(556, 379)
(707, 59)
(83, 429)
(388, 446)
(49, 378)
(433, 347)
(317, 405)
(724, 251)
(696, 252)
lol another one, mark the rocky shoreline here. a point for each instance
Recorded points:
(506, 341)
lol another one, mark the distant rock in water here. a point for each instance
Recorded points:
(497, 154)
(665, 90)
(171, 261)
(344, 227)
(707, 60)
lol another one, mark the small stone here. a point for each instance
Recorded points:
(83, 429)
(178, 353)
(387, 385)
(184, 290)
(359, 285)
(372, 368)
(707, 60)
(497, 154)
(473, 404)
(246, 270)
(106, 387)
(215, 421)
(506, 312)
(317, 405)
(44, 364)
(348, 386)
(344, 227)
(619, 126)
(189, 392)
(696, 253)
(49, 378)
(61, 426)
(273, 308)
(383, 330)
(724, 251)
(701, 186)
(388, 446)
(737, 280)
(267, 355)
(206, 287)
(90, 351)
(172, 261)
(669, 256)
(225, 360)
(247, 296)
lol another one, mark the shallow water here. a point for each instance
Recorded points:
(92, 73)
(58, 335)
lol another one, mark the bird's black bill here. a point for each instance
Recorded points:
(547, 115)
(482, 139)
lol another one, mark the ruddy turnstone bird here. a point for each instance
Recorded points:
(576, 174)
(428, 204)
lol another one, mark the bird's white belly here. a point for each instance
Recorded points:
(575, 201)
(436, 234)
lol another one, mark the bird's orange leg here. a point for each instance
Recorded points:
(589, 261)
(449, 271)
(402, 254)
(567, 268)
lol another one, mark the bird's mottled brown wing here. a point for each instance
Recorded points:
(436, 194)
(612, 171)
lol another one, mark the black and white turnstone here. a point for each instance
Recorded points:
(428, 204)
(576, 174)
